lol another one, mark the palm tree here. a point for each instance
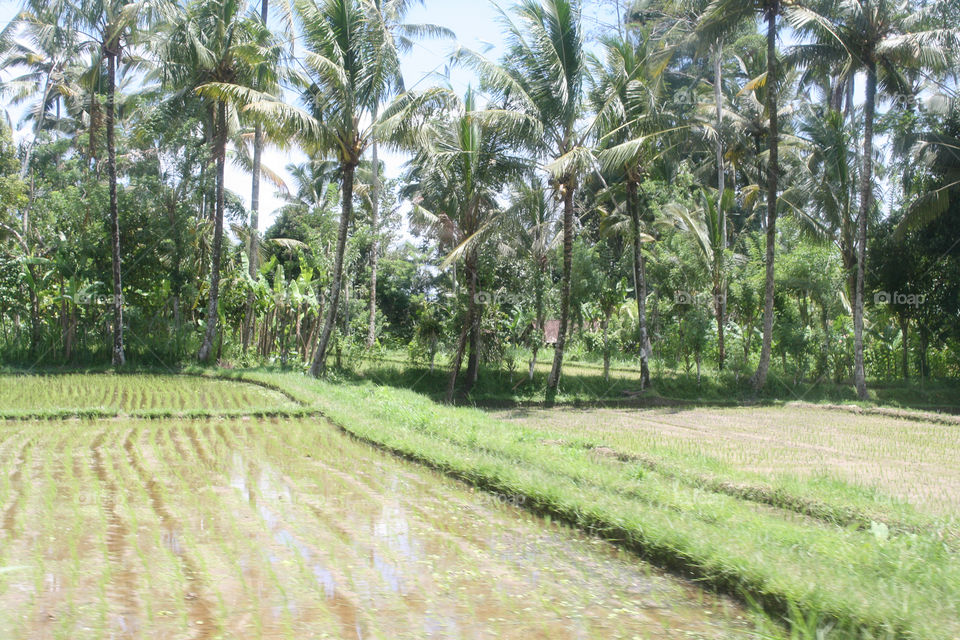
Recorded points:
(541, 81)
(351, 64)
(723, 16)
(252, 243)
(821, 194)
(531, 226)
(39, 41)
(214, 46)
(633, 126)
(106, 28)
(705, 225)
(879, 38)
(391, 14)
(109, 26)
(456, 176)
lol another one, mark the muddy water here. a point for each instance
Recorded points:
(255, 528)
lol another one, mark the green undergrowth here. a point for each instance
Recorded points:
(583, 384)
(826, 571)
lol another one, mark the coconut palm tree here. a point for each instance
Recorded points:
(633, 126)
(107, 28)
(884, 40)
(531, 225)
(541, 80)
(265, 83)
(351, 63)
(705, 226)
(391, 15)
(821, 193)
(456, 176)
(720, 17)
(213, 46)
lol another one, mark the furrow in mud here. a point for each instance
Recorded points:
(122, 585)
(198, 605)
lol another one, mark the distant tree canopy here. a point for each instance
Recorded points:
(615, 184)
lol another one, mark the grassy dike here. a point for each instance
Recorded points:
(875, 582)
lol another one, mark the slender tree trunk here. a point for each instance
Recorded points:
(719, 293)
(718, 100)
(254, 241)
(640, 283)
(773, 175)
(34, 312)
(539, 319)
(606, 347)
(905, 346)
(206, 352)
(866, 202)
(718, 308)
(473, 361)
(569, 186)
(458, 355)
(320, 358)
(375, 248)
(118, 357)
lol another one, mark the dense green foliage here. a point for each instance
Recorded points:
(618, 190)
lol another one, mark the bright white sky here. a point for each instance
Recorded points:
(475, 22)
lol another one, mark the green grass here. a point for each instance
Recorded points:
(583, 384)
(870, 581)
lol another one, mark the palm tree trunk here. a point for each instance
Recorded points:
(539, 319)
(866, 202)
(458, 359)
(118, 358)
(220, 151)
(905, 346)
(718, 100)
(375, 248)
(606, 347)
(473, 362)
(254, 241)
(773, 174)
(465, 333)
(252, 249)
(640, 283)
(718, 305)
(569, 186)
(320, 357)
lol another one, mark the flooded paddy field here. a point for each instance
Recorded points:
(287, 528)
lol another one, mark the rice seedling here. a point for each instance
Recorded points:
(277, 527)
(103, 395)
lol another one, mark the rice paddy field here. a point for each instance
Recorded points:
(253, 526)
(42, 395)
(826, 549)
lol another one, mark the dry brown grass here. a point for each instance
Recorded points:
(913, 461)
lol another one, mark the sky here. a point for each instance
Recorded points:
(475, 23)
